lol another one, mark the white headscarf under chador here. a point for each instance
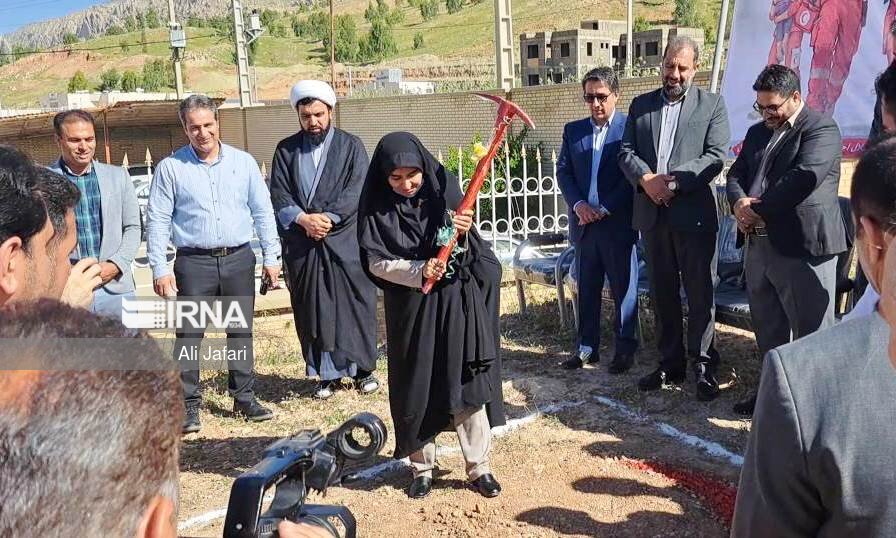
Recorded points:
(315, 89)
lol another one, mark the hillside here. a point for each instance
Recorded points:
(456, 47)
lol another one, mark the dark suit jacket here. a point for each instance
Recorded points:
(800, 206)
(574, 176)
(820, 457)
(700, 146)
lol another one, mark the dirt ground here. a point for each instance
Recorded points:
(581, 471)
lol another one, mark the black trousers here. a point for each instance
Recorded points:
(675, 260)
(228, 276)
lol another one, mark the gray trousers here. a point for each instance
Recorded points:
(789, 297)
(475, 436)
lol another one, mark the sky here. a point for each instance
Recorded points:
(17, 13)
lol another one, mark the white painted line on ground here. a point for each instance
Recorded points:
(394, 465)
(713, 449)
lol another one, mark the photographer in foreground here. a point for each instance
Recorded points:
(95, 451)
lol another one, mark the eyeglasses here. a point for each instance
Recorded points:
(591, 98)
(771, 109)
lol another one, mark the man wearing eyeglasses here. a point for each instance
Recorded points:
(600, 221)
(783, 191)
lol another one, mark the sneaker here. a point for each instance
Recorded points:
(324, 390)
(367, 384)
(253, 411)
(659, 378)
(191, 420)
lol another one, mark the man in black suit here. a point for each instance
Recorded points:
(783, 190)
(674, 144)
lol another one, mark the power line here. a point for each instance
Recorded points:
(89, 49)
(27, 4)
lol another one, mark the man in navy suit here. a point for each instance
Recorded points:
(600, 221)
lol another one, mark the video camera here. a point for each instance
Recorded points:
(307, 460)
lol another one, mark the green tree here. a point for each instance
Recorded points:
(688, 13)
(110, 80)
(453, 6)
(268, 17)
(141, 20)
(152, 18)
(380, 43)
(69, 38)
(130, 23)
(114, 30)
(347, 45)
(429, 9)
(130, 81)
(157, 75)
(641, 24)
(315, 28)
(20, 51)
(418, 40)
(78, 82)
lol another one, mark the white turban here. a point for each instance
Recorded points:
(315, 89)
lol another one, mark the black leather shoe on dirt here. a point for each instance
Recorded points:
(621, 364)
(707, 384)
(487, 486)
(420, 487)
(659, 377)
(253, 411)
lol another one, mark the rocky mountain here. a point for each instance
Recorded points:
(94, 21)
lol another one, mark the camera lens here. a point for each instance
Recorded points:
(361, 437)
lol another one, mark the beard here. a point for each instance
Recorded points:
(675, 91)
(317, 139)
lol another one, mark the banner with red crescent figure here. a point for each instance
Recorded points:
(838, 47)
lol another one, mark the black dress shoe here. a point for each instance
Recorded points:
(420, 487)
(621, 364)
(746, 407)
(659, 377)
(707, 384)
(191, 420)
(253, 411)
(580, 360)
(487, 486)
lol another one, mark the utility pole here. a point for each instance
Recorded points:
(243, 37)
(332, 48)
(629, 38)
(178, 44)
(504, 44)
(720, 48)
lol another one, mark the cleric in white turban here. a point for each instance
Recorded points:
(316, 181)
(312, 89)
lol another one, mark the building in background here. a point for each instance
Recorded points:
(565, 56)
(93, 100)
(391, 82)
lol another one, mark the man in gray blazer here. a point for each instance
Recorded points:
(674, 144)
(820, 459)
(107, 217)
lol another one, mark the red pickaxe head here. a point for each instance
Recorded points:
(507, 110)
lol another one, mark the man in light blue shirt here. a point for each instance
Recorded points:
(206, 197)
(600, 221)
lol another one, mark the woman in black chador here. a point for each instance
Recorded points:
(444, 356)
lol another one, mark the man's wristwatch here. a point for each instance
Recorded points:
(672, 185)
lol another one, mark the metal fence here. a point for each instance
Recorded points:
(519, 199)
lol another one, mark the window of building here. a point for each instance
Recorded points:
(616, 52)
(558, 78)
(564, 50)
(532, 51)
(652, 48)
(637, 50)
(590, 51)
(533, 80)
